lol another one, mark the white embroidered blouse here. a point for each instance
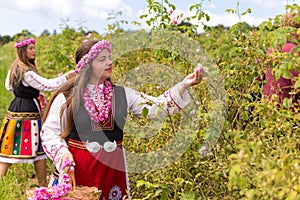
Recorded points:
(55, 146)
(38, 82)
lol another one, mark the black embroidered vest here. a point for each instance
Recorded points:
(112, 129)
(23, 101)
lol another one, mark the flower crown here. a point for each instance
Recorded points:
(25, 43)
(93, 53)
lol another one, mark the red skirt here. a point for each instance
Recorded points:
(105, 170)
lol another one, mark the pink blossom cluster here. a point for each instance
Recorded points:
(56, 192)
(174, 20)
(99, 114)
(93, 53)
(68, 163)
(25, 43)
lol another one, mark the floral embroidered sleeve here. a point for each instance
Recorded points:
(54, 146)
(40, 83)
(158, 107)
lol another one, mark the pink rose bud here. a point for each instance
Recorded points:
(201, 68)
(198, 68)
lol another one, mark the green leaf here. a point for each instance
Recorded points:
(297, 84)
(179, 180)
(285, 70)
(230, 11)
(277, 74)
(297, 49)
(287, 103)
(270, 25)
(188, 196)
(145, 112)
(158, 191)
(140, 183)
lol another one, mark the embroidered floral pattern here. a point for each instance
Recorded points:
(101, 113)
(115, 193)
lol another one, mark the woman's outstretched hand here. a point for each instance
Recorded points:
(195, 77)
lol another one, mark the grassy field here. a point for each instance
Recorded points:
(7, 54)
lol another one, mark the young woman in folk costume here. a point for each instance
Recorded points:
(20, 131)
(85, 120)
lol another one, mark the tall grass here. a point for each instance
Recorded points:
(7, 56)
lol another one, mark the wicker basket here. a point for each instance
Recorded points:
(76, 193)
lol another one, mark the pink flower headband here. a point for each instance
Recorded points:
(25, 43)
(93, 53)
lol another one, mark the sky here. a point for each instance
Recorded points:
(39, 15)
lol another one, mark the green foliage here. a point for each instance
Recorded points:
(257, 155)
(5, 39)
(266, 165)
(24, 33)
(160, 16)
(57, 52)
(237, 11)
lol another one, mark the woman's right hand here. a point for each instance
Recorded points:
(195, 77)
(68, 156)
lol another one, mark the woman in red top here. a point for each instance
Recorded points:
(283, 87)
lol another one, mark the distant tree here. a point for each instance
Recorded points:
(54, 32)
(24, 33)
(90, 33)
(45, 33)
(244, 27)
(185, 27)
(221, 27)
(5, 39)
